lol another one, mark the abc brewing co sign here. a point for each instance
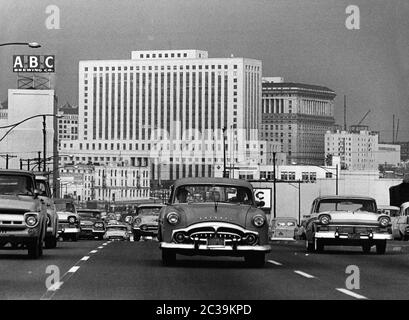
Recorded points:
(33, 63)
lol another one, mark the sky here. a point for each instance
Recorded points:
(301, 40)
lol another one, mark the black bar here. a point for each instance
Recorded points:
(7, 161)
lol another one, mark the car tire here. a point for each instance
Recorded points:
(381, 247)
(100, 237)
(50, 242)
(136, 237)
(34, 249)
(309, 245)
(318, 245)
(168, 257)
(366, 248)
(74, 237)
(255, 260)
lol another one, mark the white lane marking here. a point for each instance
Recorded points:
(74, 269)
(101, 247)
(93, 251)
(85, 258)
(306, 275)
(275, 262)
(350, 293)
(104, 244)
(55, 286)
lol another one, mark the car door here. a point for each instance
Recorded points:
(402, 220)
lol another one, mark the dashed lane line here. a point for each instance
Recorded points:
(275, 262)
(351, 293)
(304, 274)
(101, 247)
(52, 290)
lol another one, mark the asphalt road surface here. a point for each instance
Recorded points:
(133, 270)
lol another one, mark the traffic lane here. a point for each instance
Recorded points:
(133, 270)
(380, 276)
(25, 278)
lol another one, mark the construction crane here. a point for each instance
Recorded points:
(363, 118)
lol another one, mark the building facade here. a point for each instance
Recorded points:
(357, 150)
(297, 116)
(68, 123)
(171, 106)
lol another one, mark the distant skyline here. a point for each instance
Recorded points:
(301, 40)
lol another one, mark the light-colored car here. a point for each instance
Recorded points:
(116, 231)
(23, 216)
(45, 195)
(146, 221)
(349, 221)
(283, 228)
(393, 213)
(68, 219)
(400, 224)
(225, 220)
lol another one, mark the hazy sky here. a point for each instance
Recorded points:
(300, 40)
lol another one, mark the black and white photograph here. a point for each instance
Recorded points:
(204, 155)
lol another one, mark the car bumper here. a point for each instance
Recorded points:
(281, 239)
(68, 231)
(141, 232)
(335, 235)
(23, 235)
(185, 248)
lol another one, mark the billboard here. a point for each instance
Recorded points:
(34, 63)
(263, 194)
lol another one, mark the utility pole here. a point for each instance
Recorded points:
(224, 154)
(336, 180)
(274, 185)
(299, 202)
(39, 160)
(44, 145)
(345, 113)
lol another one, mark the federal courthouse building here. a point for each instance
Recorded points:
(168, 109)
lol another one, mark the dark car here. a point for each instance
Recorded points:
(146, 221)
(91, 224)
(213, 216)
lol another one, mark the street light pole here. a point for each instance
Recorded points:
(30, 44)
(224, 153)
(274, 185)
(336, 182)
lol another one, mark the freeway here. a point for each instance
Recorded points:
(133, 270)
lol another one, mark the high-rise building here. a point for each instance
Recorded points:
(297, 115)
(68, 123)
(169, 106)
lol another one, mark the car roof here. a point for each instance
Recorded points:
(150, 205)
(404, 205)
(16, 172)
(387, 207)
(89, 210)
(285, 218)
(345, 197)
(206, 181)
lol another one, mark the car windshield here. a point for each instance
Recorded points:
(65, 206)
(346, 205)
(148, 211)
(213, 193)
(16, 184)
(116, 228)
(89, 214)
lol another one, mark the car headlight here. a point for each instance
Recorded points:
(71, 220)
(31, 220)
(324, 219)
(173, 218)
(384, 221)
(259, 221)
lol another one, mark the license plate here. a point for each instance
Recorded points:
(354, 236)
(215, 242)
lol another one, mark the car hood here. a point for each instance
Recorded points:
(17, 204)
(353, 217)
(194, 213)
(121, 233)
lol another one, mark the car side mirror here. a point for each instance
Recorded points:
(260, 204)
(36, 193)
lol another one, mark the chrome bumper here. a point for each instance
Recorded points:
(204, 247)
(23, 233)
(69, 230)
(335, 235)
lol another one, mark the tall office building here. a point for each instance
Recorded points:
(297, 115)
(68, 123)
(168, 107)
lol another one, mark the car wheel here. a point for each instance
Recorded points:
(136, 237)
(101, 237)
(309, 246)
(256, 260)
(74, 237)
(366, 248)
(50, 242)
(381, 247)
(318, 245)
(34, 249)
(168, 257)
